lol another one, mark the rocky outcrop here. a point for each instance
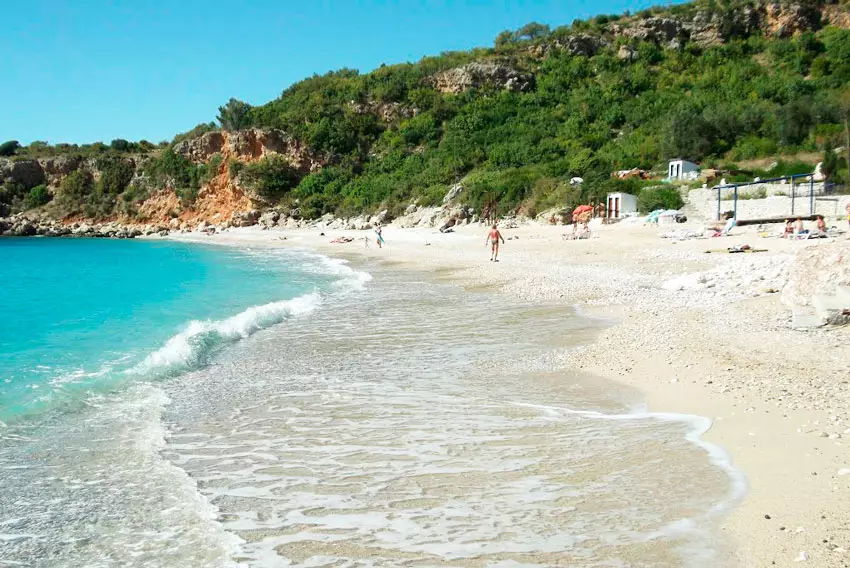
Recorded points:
(786, 20)
(387, 112)
(482, 75)
(257, 143)
(577, 45)
(663, 31)
(202, 148)
(836, 15)
(245, 218)
(28, 173)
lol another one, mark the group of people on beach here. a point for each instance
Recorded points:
(796, 228)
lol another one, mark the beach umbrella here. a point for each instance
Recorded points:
(582, 209)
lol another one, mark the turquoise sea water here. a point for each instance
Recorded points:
(181, 405)
(81, 316)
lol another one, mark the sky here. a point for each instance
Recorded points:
(82, 71)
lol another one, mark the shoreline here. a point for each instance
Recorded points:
(724, 358)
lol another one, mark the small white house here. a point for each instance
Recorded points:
(619, 205)
(682, 169)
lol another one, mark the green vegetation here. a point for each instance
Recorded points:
(653, 198)
(37, 196)
(9, 148)
(271, 178)
(392, 138)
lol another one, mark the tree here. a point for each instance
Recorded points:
(74, 191)
(9, 148)
(235, 115)
(829, 165)
(688, 135)
(37, 196)
(504, 38)
(272, 177)
(532, 30)
(121, 145)
(844, 104)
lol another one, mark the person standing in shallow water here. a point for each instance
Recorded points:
(380, 239)
(493, 238)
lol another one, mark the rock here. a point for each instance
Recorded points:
(657, 30)
(817, 271)
(578, 45)
(380, 218)
(482, 75)
(259, 142)
(28, 173)
(269, 218)
(802, 557)
(57, 167)
(787, 19)
(387, 112)
(202, 148)
(627, 53)
(245, 218)
(453, 192)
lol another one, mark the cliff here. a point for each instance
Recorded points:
(505, 128)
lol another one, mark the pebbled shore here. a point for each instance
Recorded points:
(722, 348)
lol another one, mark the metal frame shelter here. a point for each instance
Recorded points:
(793, 178)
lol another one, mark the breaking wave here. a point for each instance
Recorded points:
(192, 347)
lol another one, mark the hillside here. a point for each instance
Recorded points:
(714, 82)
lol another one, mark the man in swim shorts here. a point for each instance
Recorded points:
(493, 239)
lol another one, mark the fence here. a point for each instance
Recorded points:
(811, 191)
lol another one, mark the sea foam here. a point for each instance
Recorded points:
(193, 346)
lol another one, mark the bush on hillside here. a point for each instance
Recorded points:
(9, 148)
(37, 196)
(653, 198)
(271, 177)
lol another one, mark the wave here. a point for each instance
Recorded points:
(193, 347)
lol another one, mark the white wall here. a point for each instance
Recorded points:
(703, 202)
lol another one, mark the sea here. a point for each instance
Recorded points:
(169, 404)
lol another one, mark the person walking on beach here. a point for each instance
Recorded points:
(380, 238)
(493, 238)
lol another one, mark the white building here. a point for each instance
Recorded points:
(682, 169)
(618, 205)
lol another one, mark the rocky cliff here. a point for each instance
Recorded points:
(388, 130)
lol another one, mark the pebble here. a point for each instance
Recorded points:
(802, 557)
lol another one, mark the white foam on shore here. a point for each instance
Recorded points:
(698, 425)
(192, 347)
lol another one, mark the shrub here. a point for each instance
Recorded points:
(9, 148)
(271, 177)
(121, 145)
(74, 191)
(234, 167)
(115, 174)
(653, 198)
(37, 196)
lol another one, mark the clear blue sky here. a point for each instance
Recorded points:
(87, 70)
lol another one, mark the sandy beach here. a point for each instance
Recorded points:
(778, 399)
